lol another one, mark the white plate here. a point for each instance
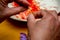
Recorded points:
(44, 4)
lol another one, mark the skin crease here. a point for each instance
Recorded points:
(45, 29)
(5, 12)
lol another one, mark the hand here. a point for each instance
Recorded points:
(44, 29)
(6, 12)
(58, 36)
(59, 16)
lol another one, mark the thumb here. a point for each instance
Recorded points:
(12, 11)
(31, 21)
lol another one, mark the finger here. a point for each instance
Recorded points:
(31, 21)
(54, 13)
(59, 18)
(24, 3)
(11, 11)
(41, 14)
(44, 13)
(6, 1)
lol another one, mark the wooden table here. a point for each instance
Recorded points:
(11, 31)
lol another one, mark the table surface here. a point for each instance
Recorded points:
(11, 31)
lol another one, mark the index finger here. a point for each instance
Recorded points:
(24, 3)
(53, 12)
(41, 14)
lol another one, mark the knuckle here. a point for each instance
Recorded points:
(54, 11)
(51, 17)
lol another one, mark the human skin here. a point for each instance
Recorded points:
(45, 29)
(5, 11)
